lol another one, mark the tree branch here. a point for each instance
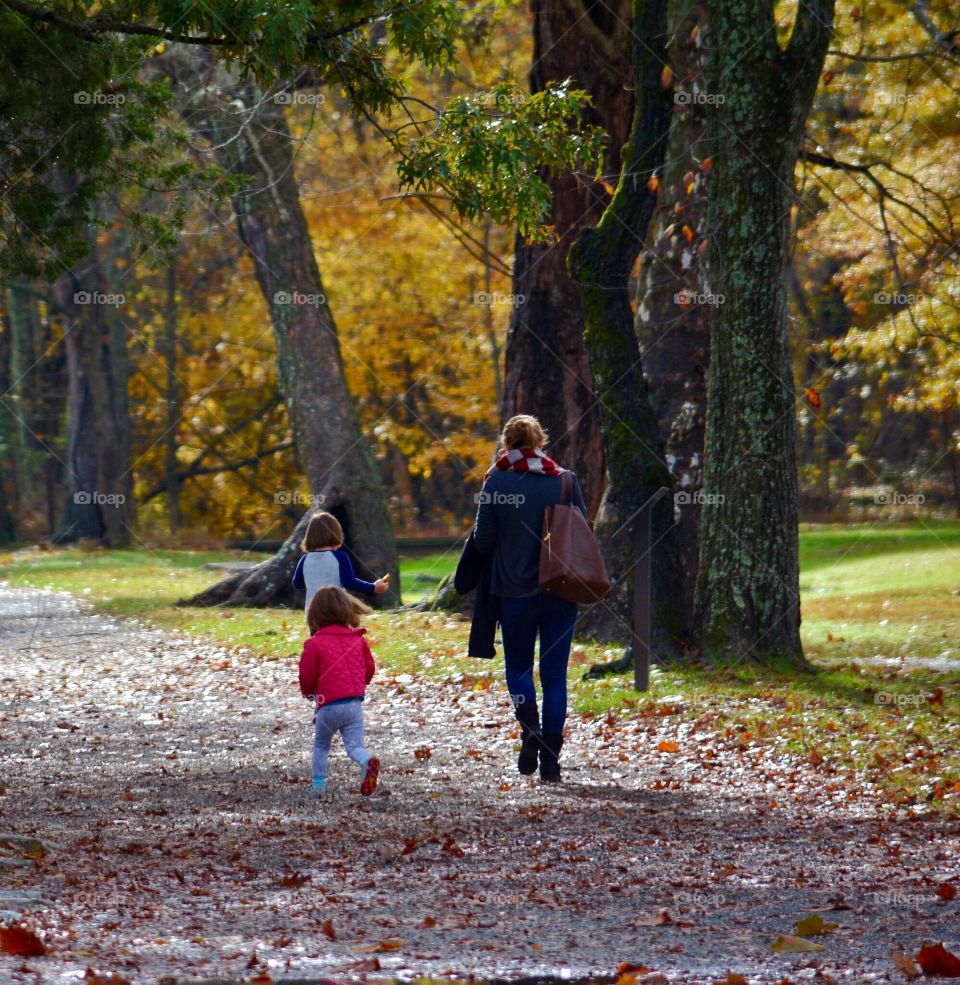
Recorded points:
(91, 29)
(194, 469)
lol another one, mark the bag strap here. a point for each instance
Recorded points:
(566, 488)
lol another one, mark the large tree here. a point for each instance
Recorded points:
(99, 483)
(672, 302)
(253, 142)
(547, 369)
(600, 263)
(748, 596)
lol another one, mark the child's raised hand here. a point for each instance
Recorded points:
(382, 584)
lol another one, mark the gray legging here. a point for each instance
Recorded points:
(345, 717)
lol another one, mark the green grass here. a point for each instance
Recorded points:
(869, 592)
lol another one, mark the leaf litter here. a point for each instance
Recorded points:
(171, 833)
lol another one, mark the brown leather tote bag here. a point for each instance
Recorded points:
(570, 563)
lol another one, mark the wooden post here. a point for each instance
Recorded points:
(641, 616)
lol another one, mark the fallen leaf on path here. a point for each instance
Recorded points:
(92, 977)
(627, 973)
(661, 919)
(667, 746)
(905, 964)
(947, 891)
(936, 960)
(19, 940)
(625, 966)
(788, 944)
(813, 925)
(732, 979)
(427, 923)
(294, 880)
(423, 753)
(367, 964)
(328, 931)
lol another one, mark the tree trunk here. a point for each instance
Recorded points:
(547, 371)
(671, 322)
(748, 597)
(173, 398)
(20, 329)
(253, 141)
(81, 517)
(99, 478)
(8, 434)
(600, 263)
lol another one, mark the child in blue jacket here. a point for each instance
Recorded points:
(325, 562)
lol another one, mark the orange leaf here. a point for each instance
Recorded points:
(666, 77)
(19, 940)
(706, 165)
(813, 397)
(667, 746)
(905, 964)
(390, 944)
(653, 183)
(688, 234)
(427, 923)
(328, 930)
(946, 891)
(935, 959)
(607, 187)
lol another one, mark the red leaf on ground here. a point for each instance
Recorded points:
(19, 940)
(423, 753)
(947, 891)
(328, 931)
(294, 880)
(935, 959)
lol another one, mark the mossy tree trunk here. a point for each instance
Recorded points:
(547, 368)
(600, 263)
(252, 139)
(672, 320)
(748, 600)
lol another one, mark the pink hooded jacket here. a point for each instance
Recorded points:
(336, 663)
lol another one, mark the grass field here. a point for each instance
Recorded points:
(881, 624)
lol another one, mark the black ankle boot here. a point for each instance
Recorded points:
(529, 718)
(549, 757)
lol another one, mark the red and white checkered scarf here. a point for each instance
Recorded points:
(526, 460)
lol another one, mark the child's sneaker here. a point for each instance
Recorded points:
(370, 776)
(318, 787)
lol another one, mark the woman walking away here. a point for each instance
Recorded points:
(519, 487)
(335, 668)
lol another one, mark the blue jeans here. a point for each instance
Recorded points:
(345, 717)
(520, 621)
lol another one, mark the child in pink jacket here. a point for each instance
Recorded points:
(335, 668)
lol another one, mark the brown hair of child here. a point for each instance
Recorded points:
(323, 533)
(332, 606)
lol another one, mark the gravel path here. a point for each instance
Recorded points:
(171, 779)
